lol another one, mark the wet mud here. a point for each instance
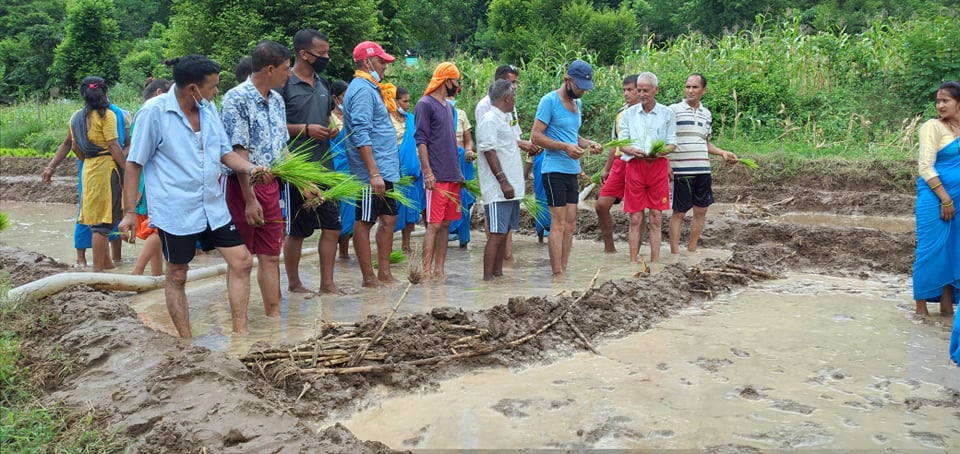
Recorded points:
(168, 396)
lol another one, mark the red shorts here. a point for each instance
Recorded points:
(648, 185)
(143, 227)
(259, 240)
(615, 182)
(443, 202)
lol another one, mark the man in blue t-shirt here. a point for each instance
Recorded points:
(557, 129)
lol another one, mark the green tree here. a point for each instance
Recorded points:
(439, 27)
(90, 44)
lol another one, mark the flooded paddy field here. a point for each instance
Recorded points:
(791, 328)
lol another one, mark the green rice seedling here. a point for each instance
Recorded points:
(404, 182)
(395, 257)
(595, 178)
(346, 191)
(535, 208)
(472, 186)
(4, 221)
(296, 168)
(658, 148)
(400, 197)
(618, 143)
(749, 163)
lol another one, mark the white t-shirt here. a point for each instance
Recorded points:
(484, 106)
(495, 133)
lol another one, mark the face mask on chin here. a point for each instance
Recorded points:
(200, 103)
(453, 90)
(319, 64)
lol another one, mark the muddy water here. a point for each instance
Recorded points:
(805, 362)
(464, 287)
(886, 224)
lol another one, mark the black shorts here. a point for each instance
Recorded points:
(561, 188)
(303, 221)
(371, 206)
(690, 191)
(180, 249)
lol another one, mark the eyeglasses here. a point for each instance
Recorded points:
(311, 53)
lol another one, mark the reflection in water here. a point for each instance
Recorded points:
(830, 367)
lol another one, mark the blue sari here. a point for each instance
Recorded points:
(410, 167)
(542, 222)
(938, 243)
(348, 212)
(461, 227)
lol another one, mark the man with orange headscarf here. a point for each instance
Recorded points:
(373, 156)
(437, 146)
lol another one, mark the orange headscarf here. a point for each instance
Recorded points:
(388, 91)
(444, 71)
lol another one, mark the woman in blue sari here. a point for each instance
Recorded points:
(338, 152)
(407, 217)
(936, 271)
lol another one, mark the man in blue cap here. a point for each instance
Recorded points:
(557, 130)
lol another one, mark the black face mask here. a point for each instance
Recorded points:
(452, 91)
(319, 64)
(570, 92)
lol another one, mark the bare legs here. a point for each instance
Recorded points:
(561, 236)
(150, 254)
(435, 248)
(268, 278)
(696, 229)
(292, 250)
(946, 303)
(361, 246)
(493, 255)
(604, 203)
(635, 232)
(327, 248)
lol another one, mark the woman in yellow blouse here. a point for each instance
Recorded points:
(93, 132)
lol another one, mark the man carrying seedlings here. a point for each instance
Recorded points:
(647, 169)
(374, 157)
(614, 171)
(501, 174)
(437, 146)
(557, 129)
(179, 143)
(255, 120)
(691, 162)
(308, 104)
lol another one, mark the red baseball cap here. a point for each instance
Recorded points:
(369, 49)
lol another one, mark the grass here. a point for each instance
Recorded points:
(536, 209)
(26, 423)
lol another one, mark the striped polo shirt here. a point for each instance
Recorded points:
(693, 130)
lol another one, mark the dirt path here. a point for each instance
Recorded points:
(172, 397)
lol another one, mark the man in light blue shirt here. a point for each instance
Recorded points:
(179, 143)
(374, 158)
(557, 130)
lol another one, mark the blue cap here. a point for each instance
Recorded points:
(582, 74)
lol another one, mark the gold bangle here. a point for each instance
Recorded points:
(948, 204)
(936, 186)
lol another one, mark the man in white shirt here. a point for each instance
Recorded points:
(501, 174)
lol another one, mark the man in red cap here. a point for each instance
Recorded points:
(437, 146)
(373, 156)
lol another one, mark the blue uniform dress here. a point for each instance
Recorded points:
(348, 210)
(461, 227)
(410, 167)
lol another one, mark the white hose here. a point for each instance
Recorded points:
(586, 191)
(56, 283)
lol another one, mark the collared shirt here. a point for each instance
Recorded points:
(366, 122)
(309, 104)
(484, 106)
(562, 126)
(435, 130)
(645, 127)
(934, 136)
(694, 127)
(254, 123)
(181, 167)
(495, 133)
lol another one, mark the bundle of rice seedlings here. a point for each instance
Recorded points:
(749, 163)
(404, 181)
(4, 221)
(595, 178)
(618, 143)
(535, 208)
(296, 168)
(346, 191)
(473, 187)
(658, 148)
(400, 197)
(395, 257)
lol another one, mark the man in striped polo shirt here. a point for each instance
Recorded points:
(691, 162)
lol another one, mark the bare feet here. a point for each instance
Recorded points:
(300, 289)
(372, 283)
(609, 250)
(387, 279)
(332, 290)
(922, 309)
